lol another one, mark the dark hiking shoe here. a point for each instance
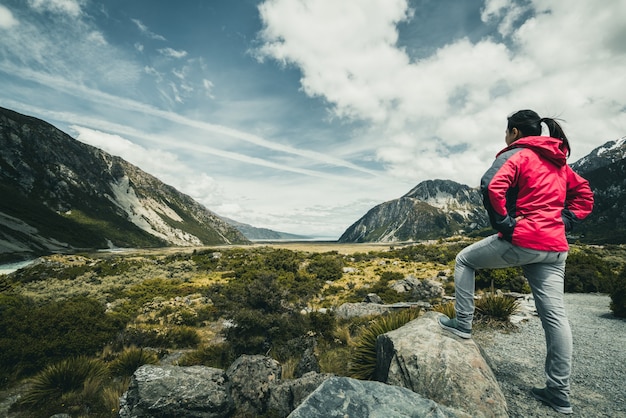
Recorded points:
(452, 326)
(558, 404)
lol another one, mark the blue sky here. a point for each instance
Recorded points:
(301, 115)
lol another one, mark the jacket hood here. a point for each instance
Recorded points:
(552, 149)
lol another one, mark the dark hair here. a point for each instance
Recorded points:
(528, 123)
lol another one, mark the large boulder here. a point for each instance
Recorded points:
(345, 397)
(172, 391)
(451, 371)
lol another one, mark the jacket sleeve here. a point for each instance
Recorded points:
(498, 183)
(578, 201)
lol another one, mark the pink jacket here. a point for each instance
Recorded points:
(531, 179)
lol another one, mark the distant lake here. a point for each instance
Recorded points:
(11, 267)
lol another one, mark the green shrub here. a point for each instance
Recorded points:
(219, 356)
(147, 290)
(130, 360)
(618, 295)
(496, 306)
(326, 266)
(586, 272)
(510, 278)
(152, 336)
(322, 324)
(363, 360)
(182, 337)
(32, 335)
(442, 253)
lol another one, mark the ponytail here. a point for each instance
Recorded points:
(557, 132)
(529, 123)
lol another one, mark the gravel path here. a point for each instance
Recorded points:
(598, 383)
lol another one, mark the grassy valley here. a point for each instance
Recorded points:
(113, 311)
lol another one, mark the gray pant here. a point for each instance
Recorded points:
(545, 272)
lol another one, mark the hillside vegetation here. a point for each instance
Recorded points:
(105, 314)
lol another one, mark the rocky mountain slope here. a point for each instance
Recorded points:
(433, 209)
(441, 208)
(59, 194)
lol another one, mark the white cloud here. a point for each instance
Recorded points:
(172, 53)
(445, 114)
(76, 51)
(146, 31)
(72, 8)
(7, 21)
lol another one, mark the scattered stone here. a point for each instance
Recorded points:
(373, 298)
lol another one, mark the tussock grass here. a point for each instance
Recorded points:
(446, 308)
(129, 360)
(363, 359)
(494, 306)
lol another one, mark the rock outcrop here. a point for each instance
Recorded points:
(422, 371)
(440, 367)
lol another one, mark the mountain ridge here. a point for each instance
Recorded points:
(62, 195)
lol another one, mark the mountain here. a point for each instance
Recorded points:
(431, 210)
(607, 154)
(605, 169)
(441, 208)
(262, 234)
(59, 194)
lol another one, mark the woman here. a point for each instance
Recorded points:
(533, 198)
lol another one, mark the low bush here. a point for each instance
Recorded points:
(153, 336)
(326, 266)
(618, 295)
(510, 278)
(586, 272)
(33, 336)
(219, 356)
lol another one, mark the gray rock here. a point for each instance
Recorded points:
(171, 391)
(405, 285)
(250, 379)
(373, 298)
(439, 366)
(427, 290)
(345, 397)
(308, 363)
(289, 393)
(353, 310)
